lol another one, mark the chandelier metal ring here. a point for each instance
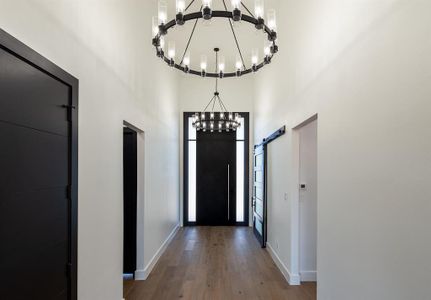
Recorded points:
(232, 16)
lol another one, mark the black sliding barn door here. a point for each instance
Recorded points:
(259, 194)
(130, 186)
(37, 176)
(216, 178)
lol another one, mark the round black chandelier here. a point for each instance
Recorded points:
(211, 120)
(161, 27)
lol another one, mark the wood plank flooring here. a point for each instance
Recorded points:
(216, 263)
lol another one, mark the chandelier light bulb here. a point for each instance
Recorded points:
(221, 65)
(203, 116)
(206, 3)
(171, 49)
(236, 4)
(259, 8)
(212, 116)
(272, 20)
(186, 60)
(267, 48)
(221, 116)
(238, 64)
(204, 124)
(230, 118)
(181, 6)
(162, 43)
(163, 12)
(155, 26)
(203, 63)
(254, 57)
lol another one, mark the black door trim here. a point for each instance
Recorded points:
(246, 116)
(25, 53)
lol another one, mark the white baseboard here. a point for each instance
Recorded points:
(292, 279)
(308, 276)
(143, 274)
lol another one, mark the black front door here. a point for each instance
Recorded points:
(37, 204)
(216, 178)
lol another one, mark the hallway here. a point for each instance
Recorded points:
(216, 263)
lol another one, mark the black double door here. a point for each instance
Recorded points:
(216, 178)
(35, 180)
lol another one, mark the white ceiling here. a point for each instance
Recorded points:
(216, 33)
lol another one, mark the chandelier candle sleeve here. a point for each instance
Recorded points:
(207, 3)
(155, 26)
(272, 20)
(171, 50)
(254, 57)
(162, 43)
(236, 4)
(163, 12)
(186, 60)
(181, 6)
(259, 8)
(221, 64)
(267, 48)
(203, 64)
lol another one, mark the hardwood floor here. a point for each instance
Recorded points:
(216, 263)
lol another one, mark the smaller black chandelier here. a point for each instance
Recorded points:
(239, 12)
(213, 121)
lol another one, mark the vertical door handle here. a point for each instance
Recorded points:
(228, 192)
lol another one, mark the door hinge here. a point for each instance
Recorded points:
(68, 269)
(70, 109)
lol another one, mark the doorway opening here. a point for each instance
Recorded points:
(307, 195)
(216, 175)
(130, 203)
(133, 204)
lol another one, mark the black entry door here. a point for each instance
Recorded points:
(130, 186)
(37, 198)
(215, 178)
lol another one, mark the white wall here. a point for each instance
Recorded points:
(195, 93)
(365, 67)
(106, 44)
(308, 201)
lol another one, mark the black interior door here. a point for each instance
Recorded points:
(259, 194)
(35, 179)
(130, 163)
(216, 178)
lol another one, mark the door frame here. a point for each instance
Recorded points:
(246, 117)
(295, 195)
(13, 46)
(128, 130)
